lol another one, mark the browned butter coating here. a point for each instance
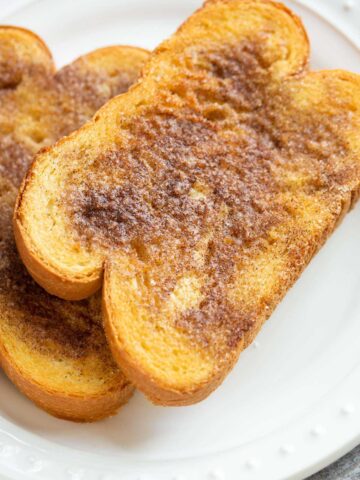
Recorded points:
(213, 169)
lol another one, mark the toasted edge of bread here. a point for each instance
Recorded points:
(66, 406)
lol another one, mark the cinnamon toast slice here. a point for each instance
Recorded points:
(198, 197)
(54, 351)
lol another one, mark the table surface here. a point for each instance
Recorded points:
(347, 468)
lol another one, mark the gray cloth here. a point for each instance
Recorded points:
(347, 468)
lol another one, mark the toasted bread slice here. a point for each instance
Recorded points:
(54, 351)
(201, 194)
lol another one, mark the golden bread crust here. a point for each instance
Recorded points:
(55, 352)
(202, 193)
(63, 405)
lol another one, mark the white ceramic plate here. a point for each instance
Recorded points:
(292, 404)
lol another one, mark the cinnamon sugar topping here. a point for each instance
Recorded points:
(235, 138)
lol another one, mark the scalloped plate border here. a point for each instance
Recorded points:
(336, 414)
